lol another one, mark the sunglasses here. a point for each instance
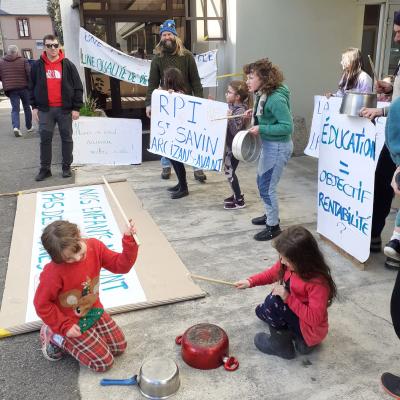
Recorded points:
(52, 45)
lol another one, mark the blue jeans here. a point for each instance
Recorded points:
(165, 163)
(15, 97)
(274, 156)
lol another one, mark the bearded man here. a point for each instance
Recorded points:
(170, 52)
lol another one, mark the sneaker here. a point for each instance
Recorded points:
(268, 233)
(236, 204)
(391, 263)
(199, 175)
(17, 132)
(166, 173)
(392, 249)
(259, 220)
(31, 129)
(375, 245)
(391, 384)
(50, 351)
(43, 174)
(66, 173)
(229, 199)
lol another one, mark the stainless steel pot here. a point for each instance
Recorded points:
(246, 147)
(353, 102)
(158, 378)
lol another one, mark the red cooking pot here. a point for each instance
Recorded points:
(206, 346)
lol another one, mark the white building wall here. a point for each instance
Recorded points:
(304, 37)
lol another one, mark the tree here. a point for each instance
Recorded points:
(53, 8)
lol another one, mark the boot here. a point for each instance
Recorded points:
(174, 188)
(43, 174)
(166, 173)
(66, 172)
(391, 384)
(279, 343)
(268, 233)
(259, 220)
(182, 192)
(301, 346)
(199, 175)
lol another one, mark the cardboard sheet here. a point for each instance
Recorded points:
(162, 275)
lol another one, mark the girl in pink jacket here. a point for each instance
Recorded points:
(296, 309)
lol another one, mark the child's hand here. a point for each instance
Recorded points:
(131, 230)
(244, 284)
(255, 130)
(248, 113)
(74, 331)
(279, 290)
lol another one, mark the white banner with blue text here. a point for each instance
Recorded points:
(346, 171)
(88, 207)
(188, 129)
(101, 57)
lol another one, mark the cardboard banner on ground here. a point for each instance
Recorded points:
(346, 170)
(159, 276)
(188, 129)
(101, 57)
(325, 107)
(107, 141)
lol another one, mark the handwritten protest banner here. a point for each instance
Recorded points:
(107, 141)
(323, 108)
(346, 169)
(87, 206)
(101, 57)
(183, 129)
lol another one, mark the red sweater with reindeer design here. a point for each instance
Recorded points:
(68, 291)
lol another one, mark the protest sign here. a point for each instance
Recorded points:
(88, 207)
(188, 129)
(101, 57)
(346, 170)
(107, 141)
(323, 107)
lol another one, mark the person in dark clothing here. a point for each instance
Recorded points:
(14, 74)
(170, 52)
(56, 97)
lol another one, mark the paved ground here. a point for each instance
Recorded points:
(215, 242)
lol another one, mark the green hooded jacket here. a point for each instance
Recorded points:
(276, 122)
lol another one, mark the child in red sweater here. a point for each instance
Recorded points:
(67, 298)
(296, 309)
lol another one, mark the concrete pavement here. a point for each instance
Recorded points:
(212, 241)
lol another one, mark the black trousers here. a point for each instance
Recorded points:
(47, 122)
(180, 172)
(395, 306)
(383, 192)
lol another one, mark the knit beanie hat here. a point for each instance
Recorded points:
(168, 26)
(397, 18)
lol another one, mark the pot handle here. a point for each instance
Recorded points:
(230, 363)
(124, 382)
(178, 340)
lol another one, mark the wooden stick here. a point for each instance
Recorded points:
(373, 67)
(203, 278)
(120, 208)
(229, 117)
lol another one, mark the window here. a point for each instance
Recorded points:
(23, 27)
(210, 18)
(27, 53)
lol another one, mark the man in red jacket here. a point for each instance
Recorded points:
(56, 97)
(14, 74)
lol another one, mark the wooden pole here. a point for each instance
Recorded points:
(203, 278)
(120, 208)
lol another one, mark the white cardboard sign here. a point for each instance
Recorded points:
(346, 169)
(107, 141)
(188, 129)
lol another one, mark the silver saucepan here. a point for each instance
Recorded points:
(353, 102)
(158, 378)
